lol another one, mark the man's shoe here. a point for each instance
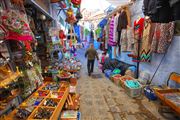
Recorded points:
(89, 74)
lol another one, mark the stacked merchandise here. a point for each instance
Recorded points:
(72, 104)
(65, 70)
(16, 35)
(72, 66)
(45, 103)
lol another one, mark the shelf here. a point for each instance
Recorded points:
(56, 110)
(9, 79)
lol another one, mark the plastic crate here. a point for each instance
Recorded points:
(133, 92)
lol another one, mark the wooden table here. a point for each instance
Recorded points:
(166, 101)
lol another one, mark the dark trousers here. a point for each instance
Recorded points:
(90, 66)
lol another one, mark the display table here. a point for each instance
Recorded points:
(170, 97)
(45, 103)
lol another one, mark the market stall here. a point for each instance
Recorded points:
(45, 103)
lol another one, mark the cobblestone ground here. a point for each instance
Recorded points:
(103, 100)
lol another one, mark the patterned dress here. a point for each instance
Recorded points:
(162, 37)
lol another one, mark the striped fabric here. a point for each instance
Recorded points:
(111, 41)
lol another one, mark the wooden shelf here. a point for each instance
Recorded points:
(9, 79)
(56, 110)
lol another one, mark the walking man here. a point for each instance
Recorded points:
(91, 54)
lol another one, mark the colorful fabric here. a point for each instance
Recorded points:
(16, 24)
(111, 33)
(98, 32)
(127, 39)
(138, 32)
(102, 23)
(116, 71)
(145, 52)
(115, 33)
(132, 84)
(61, 34)
(86, 32)
(162, 37)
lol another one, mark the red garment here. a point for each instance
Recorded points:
(138, 34)
(15, 36)
(138, 28)
(61, 34)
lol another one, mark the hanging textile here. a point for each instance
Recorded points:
(102, 23)
(86, 32)
(106, 30)
(61, 34)
(115, 28)
(162, 37)
(145, 52)
(98, 32)
(138, 32)
(16, 25)
(159, 11)
(122, 23)
(111, 41)
(127, 39)
(77, 31)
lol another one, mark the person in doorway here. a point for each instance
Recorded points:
(91, 54)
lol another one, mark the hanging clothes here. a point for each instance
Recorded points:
(111, 41)
(138, 32)
(159, 11)
(145, 54)
(115, 33)
(106, 29)
(127, 39)
(122, 23)
(162, 37)
(115, 28)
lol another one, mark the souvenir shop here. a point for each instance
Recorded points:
(38, 65)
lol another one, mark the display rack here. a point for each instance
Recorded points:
(11, 77)
(62, 91)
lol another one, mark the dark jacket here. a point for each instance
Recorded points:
(158, 10)
(122, 21)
